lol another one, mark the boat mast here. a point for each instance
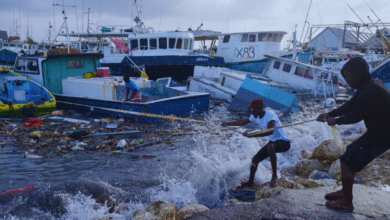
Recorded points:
(65, 24)
(294, 45)
(138, 27)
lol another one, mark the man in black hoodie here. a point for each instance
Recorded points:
(371, 103)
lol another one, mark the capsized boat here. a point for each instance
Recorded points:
(224, 83)
(302, 76)
(21, 96)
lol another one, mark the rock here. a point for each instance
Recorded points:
(106, 199)
(266, 192)
(377, 172)
(328, 150)
(189, 210)
(306, 154)
(385, 155)
(369, 202)
(306, 166)
(158, 210)
(36, 134)
(335, 169)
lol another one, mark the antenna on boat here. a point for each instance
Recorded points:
(373, 11)
(294, 45)
(304, 25)
(89, 26)
(65, 24)
(28, 21)
(48, 35)
(356, 14)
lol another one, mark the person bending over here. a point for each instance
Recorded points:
(279, 139)
(136, 95)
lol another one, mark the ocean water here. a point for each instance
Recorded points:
(198, 168)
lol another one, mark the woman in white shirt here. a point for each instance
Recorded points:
(279, 139)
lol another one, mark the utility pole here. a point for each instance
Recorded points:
(65, 24)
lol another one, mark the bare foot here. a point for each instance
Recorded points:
(272, 183)
(334, 195)
(247, 184)
(341, 204)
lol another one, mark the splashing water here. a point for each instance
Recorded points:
(198, 168)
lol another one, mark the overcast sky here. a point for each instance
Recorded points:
(218, 15)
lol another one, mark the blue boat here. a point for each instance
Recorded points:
(382, 71)
(258, 66)
(274, 98)
(70, 77)
(20, 96)
(7, 57)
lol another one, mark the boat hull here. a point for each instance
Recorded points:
(258, 66)
(7, 57)
(214, 88)
(177, 67)
(178, 106)
(23, 97)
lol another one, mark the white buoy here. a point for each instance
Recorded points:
(330, 103)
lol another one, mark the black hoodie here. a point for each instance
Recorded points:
(371, 102)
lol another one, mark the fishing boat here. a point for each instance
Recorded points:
(20, 96)
(161, 54)
(303, 76)
(246, 51)
(9, 51)
(382, 71)
(224, 83)
(334, 58)
(71, 79)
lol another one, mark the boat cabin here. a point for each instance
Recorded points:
(302, 76)
(157, 44)
(248, 46)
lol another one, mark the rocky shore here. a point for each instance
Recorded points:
(299, 193)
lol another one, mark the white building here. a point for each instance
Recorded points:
(336, 38)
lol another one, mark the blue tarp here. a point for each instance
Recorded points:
(274, 98)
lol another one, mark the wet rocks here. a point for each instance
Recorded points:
(107, 200)
(166, 210)
(306, 166)
(265, 191)
(306, 154)
(335, 169)
(189, 210)
(328, 150)
(158, 210)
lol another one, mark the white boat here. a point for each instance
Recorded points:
(161, 54)
(248, 46)
(303, 76)
(223, 83)
(334, 58)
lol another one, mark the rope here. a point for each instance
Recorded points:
(138, 113)
(253, 133)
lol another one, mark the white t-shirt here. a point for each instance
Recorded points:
(279, 134)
